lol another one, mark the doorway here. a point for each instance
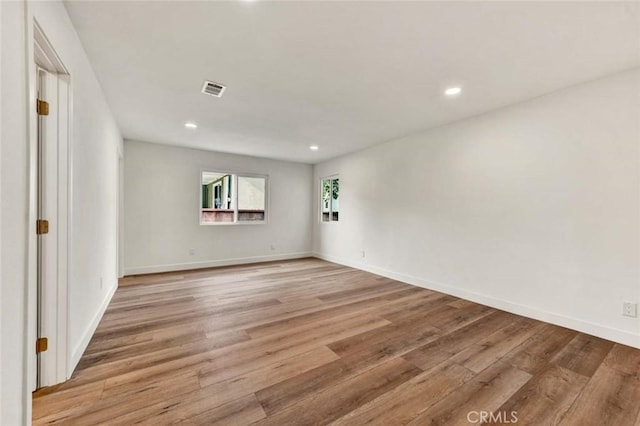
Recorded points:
(50, 209)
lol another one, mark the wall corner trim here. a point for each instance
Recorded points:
(152, 269)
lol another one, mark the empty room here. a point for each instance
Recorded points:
(259, 212)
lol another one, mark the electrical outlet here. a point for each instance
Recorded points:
(363, 253)
(630, 309)
(273, 247)
(192, 251)
(101, 282)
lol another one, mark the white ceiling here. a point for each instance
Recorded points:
(342, 75)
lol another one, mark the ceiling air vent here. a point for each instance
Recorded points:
(213, 89)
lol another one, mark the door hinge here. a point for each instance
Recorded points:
(42, 226)
(42, 107)
(41, 344)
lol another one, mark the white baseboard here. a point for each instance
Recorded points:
(152, 269)
(609, 333)
(80, 347)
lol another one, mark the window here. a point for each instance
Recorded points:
(232, 198)
(330, 199)
(251, 202)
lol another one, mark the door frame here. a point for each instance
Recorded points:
(120, 216)
(55, 362)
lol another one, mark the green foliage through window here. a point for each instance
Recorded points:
(330, 199)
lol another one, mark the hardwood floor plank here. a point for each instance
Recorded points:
(119, 386)
(535, 354)
(583, 354)
(56, 402)
(387, 340)
(485, 392)
(545, 398)
(344, 294)
(357, 354)
(433, 353)
(284, 394)
(416, 307)
(448, 322)
(242, 411)
(331, 403)
(461, 303)
(487, 351)
(624, 359)
(131, 398)
(196, 408)
(259, 352)
(261, 378)
(364, 306)
(157, 360)
(611, 398)
(408, 400)
(126, 352)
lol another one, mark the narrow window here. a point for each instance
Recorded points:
(330, 199)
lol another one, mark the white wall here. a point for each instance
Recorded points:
(95, 144)
(533, 208)
(162, 195)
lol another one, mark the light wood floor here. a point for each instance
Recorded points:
(310, 342)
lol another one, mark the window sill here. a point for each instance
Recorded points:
(252, 223)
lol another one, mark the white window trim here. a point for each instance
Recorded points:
(234, 185)
(322, 179)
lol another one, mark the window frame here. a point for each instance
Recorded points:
(234, 198)
(320, 212)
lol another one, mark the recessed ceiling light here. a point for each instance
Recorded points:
(190, 125)
(314, 147)
(452, 91)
